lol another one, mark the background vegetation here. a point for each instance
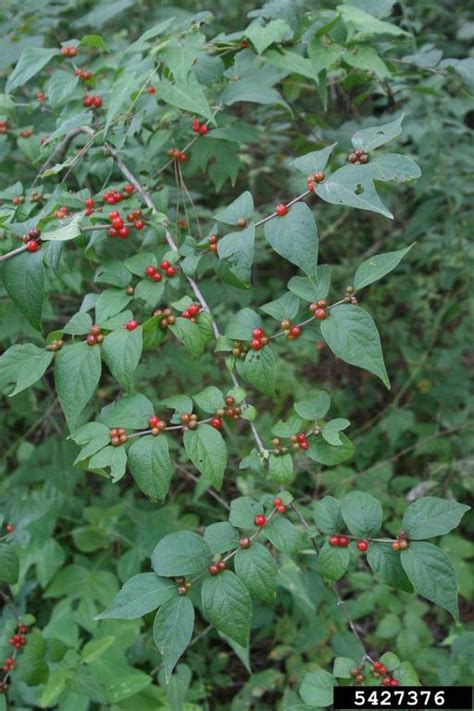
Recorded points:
(78, 535)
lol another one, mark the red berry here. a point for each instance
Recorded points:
(156, 277)
(89, 203)
(123, 232)
(149, 271)
(362, 545)
(245, 542)
(117, 223)
(221, 565)
(396, 545)
(151, 89)
(203, 129)
(304, 445)
(295, 332)
(153, 420)
(213, 569)
(343, 541)
(260, 520)
(377, 666)
(277, 501)
(281, 508)
(139, 224)
(131, 325)
(10, 527)
(91, 340)
(281, 210)
(170, 272)
(114, 215)
(320, 314)
(32, 245)
(23, 629)
(258, 333)
(194, 309)
(216, 422)
(128, 188)
(165, 265)
(394, 682)
(386, 681)
(96, 102)
(256, 344)
(333, 541)
(112, 232)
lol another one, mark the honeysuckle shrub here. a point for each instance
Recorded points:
(235, 413)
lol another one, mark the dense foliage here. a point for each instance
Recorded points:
(221, 485)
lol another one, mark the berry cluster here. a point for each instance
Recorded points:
(18, 640)
(319, 309)
(183, 586)
(279, 505)
(91, 101)
(313, 180)
(401, 544)
(259, 339)
(111, 197)
(358, 156)
(131, 325)
(299, 441)
(292, 332)
(152, 273)
(118, 227)
(31, 239)
(167, 268)
(379, 669)
(260, 520)
(83, 74)
(189, 422)
(157, 425)
(239, 349)
(26, 132)
(349, 298)
(117, 436)
(192, 312)
(94, 336)
(213, 243)
(230, 410)
(69, 51)
(61, 213)
(89, 206)
(216, 568)
(356, 674)
(341, 541)
(55, 345)
(168, 318)
(175, 153)
(278, 447)
(281, 210)
(199, 128)
(9, 664)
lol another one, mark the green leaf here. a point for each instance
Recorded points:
(32, 60)
(66, 232)
(330, 431)
(280, 468)
(362, 513)
(23, 365)
(151, 292)
(285, 307)
(352, 335)
(352, 186)
(378, 266)
(241, 325)
(286, 428)
(210, 399)
(207, 450)
(322, 56)
(78, 325)
(9, 564)
(23, 279)
(430, 516)
(283, 535)
(236, 251)
(32, 668)
(151, 467)
(76, 375)
(295, 237)
(221, 537)
(227, 605)
(312, 289)
(364, 24)
(317, 688)
(315, 407)
(190, 335)
(385, 564)
(363, 56)
(241, 207)
(61, 85)
(114, 458)
(392, 166)
(182, 553)
(327, 515)
(243, 511)
(260, 370)
(369, 138)
(110, 303)
(324, 453)
(185, 94)
(254, 83)
(406, 675)
(138, 596)
(257, 569)
(342, 667)
(432, 574)
(314, 161)
(291, 62)
(122, 351)
(120, 96)
(333, 562)
(262, 36)
(96, 648)
(131, 411)
(172, 630)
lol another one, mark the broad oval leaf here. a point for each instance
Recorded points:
(227, 605)
(295, 237)
(207, 450)
(378, 266)
(430, 516)
(151, 467)
(76, 375)
(182, 553)
(122, 350)
(260, 369)
(432, 574)
(23, 279)
(138, 596)
(172, 630)
(257, 569)
(362, 513)
(352, 186)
